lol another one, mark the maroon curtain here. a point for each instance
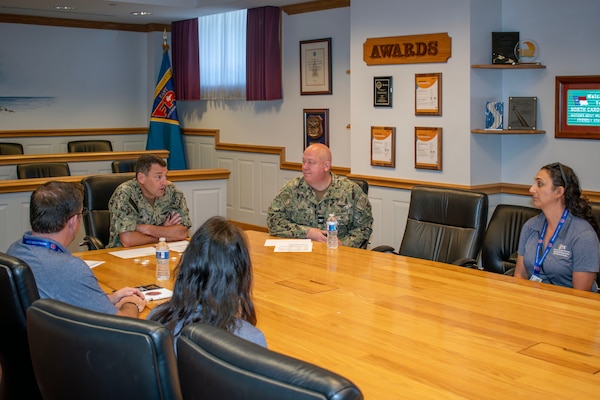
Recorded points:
(186, 59)
(263, 54)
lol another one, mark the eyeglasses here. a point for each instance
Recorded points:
(83, 213)
(562, 173)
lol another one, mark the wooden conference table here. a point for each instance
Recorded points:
(403, 328)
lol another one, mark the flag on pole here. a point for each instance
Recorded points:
(164, 131)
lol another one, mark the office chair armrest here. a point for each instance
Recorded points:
(466, 262)
(92, 242)
(384, 249)
(510, 272)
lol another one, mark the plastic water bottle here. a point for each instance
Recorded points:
(163, 272)
(332, 231)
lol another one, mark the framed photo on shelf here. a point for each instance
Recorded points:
(315, 66)
(428, 94)
(577, 105)
(316, 126)
(383, 146)
(382, 91)
(428, 148)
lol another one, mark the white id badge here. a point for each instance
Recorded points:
(535, 278)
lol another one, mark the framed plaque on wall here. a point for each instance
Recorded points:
(316, 126)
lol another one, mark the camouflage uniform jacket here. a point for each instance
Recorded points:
(296, 209)
(128, 207)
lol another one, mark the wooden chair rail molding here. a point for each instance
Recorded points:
(492, 188)
(78, 157)
(28, 185)
(72, 132)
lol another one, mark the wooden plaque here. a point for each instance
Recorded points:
(414, 49)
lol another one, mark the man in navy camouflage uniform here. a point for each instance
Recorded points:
(301, 207)
(148, 207)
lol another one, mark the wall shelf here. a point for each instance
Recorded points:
(509, 66)
(509, 131)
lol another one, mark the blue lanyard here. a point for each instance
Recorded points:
(539, 260)
(42, 243)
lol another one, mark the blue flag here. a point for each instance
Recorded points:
(164, 132)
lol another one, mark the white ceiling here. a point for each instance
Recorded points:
(116, 11)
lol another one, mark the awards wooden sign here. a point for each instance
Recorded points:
(413, 49)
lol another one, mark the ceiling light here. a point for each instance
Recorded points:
(141, 13)
(64, 8)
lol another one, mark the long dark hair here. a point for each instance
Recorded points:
(563, 175)
(215, 273)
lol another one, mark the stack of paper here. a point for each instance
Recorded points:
(290, 245)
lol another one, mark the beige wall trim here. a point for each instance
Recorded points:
(6, 134)
(77, 23)
(318, 5)
(78, 157)
(28, 185)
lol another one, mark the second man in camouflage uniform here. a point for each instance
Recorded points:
(147, 207)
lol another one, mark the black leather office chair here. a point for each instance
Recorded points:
(119, 166)
(79, 146)
(81, 354)
(214, 364)
(18, 291)
(10, 149)
(501, 239)
(43, 170)
(364, 185)
(97, 190)
(443, 224)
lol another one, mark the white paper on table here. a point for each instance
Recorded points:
(276, 242)
(290, 245)
(93, 264)
(179, 246)
(133, 253)
(293, 248)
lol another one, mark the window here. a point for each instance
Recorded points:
(222, 41)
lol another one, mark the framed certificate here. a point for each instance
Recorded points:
(428, 148)
(382, 91)
(383, 146)
(315, 66)
(428, 94)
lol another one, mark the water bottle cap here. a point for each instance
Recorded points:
(331, 215)
(161, 239)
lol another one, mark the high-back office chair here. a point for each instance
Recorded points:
(119, 166)
(18, 291)
(214, 364)
(82, 354)
(10, 149)
(443, 224)
(79, 146)
(97, 190)
(501, 239)
(43, 170)
(364, 185)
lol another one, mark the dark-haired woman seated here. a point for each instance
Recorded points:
(213, 284)
(560, 246)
